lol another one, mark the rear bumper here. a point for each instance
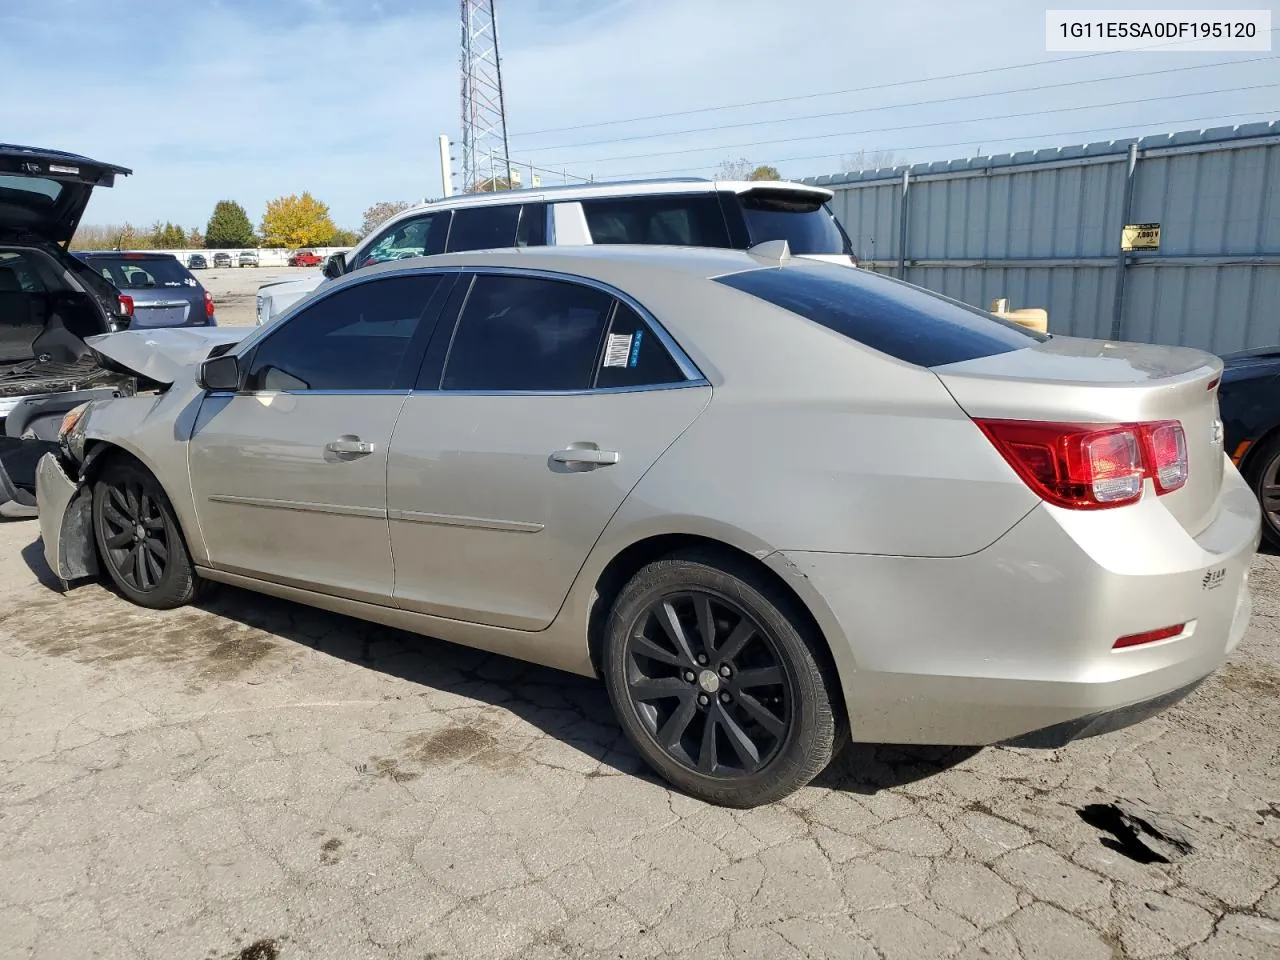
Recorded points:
(1015, 643)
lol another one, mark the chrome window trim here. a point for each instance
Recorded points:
(308, 393)
(687, 367)
(682, 385)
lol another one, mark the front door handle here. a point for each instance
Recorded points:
(591, 456)
(349, 446)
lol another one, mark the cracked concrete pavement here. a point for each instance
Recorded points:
(254, 780)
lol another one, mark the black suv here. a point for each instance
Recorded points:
(49, 303)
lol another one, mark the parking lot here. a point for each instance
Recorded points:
(235, 289)
(252, 780)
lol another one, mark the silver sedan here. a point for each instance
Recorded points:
(773, 503)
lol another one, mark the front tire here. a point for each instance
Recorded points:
(718, 681)
(139, 541)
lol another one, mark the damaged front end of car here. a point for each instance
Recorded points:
(66, 501)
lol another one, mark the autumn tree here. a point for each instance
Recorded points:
(296, 221)
(381, 212)
(764, 172)
(229, 227)
(195, 238)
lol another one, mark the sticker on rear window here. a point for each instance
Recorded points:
(617, 352)
(635, 349)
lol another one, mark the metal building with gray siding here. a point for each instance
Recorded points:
(1043, 228)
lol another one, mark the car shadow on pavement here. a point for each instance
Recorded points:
(572, 709)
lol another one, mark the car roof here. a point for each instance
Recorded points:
(599, 261)
(620, 188)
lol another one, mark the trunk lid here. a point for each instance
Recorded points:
(44, 192)
(1067, 379)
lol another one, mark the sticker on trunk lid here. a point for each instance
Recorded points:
(1213, 579)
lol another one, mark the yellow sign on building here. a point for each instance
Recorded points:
(1140, 236)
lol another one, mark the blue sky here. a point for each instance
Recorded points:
(250, 100)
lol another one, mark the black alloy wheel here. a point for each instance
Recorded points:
(720, 680)
(138, 538)
(135, 536)
(708, 684)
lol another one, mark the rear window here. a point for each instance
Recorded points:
(887, 315)
(683, 220)
(143, 273)
(802, 221)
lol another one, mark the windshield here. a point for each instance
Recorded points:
(143, 273)
(800, 219)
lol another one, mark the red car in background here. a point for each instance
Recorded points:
(305, 258)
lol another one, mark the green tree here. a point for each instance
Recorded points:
(343, 238)
(229, 227)
(379, 213)
(296, 221)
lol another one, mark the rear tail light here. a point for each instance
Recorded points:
(1167, 454)
(126, 304)
(1090, 466)
(208, 304)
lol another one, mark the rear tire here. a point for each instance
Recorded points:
(758, 720)
(139, 541)
(1263, 475)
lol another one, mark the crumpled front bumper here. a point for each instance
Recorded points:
(66, 521)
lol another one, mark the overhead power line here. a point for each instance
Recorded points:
(836, 93)
(928, 123)
(892, 106)
(963, 143)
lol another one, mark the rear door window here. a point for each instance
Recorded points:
(800, 219)
(527, 334)
(686, 220)
(484, 228)
(895, 318)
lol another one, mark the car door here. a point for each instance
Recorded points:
(528, 428)
(289, 473)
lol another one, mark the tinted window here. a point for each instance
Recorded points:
(533, 225)
(419, 237)
(633, 355)
(801, 221)
(893, 317)
(483, 228)
(355, 339)
(142, 273)
(687, 220)
(523, 333)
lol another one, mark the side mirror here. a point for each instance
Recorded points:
(335, 266)
(220, 373)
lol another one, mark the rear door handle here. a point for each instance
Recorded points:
(586, 455)
(349, 446)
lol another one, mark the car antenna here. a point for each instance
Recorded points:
(776, 250)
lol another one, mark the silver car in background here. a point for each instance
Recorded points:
(773, 502)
